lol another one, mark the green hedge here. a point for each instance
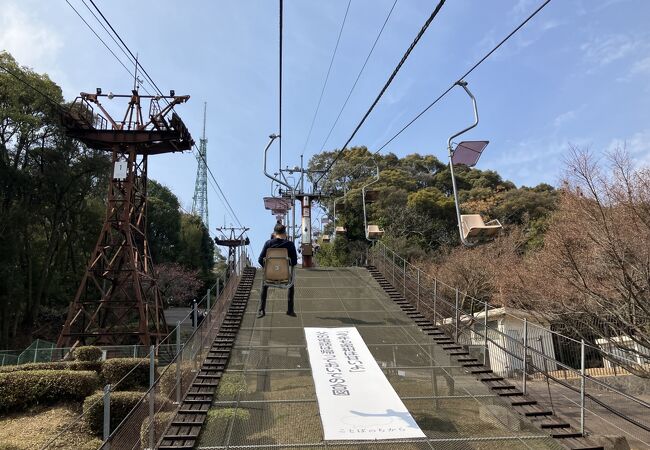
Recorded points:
(121, 404)
(19, 390)
(95, 366)
(113, 370)
(167, 383)
(87, 353)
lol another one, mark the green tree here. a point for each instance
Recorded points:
(49, 209)
(163, 223)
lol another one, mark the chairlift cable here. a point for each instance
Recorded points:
(327, 76)
(354, 85)
(280, 29)
(137, 63)
(99, 21)
(433, 15)
(444, 93)
(34, 88)
(227, 203)
(102, 40)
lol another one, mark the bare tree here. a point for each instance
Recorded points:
(593, 274)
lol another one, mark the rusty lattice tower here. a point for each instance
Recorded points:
(118, 301)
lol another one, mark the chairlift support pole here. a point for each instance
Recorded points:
(462, 84)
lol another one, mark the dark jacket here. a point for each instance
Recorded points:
(279, 243)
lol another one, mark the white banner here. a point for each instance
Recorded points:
(355, 399)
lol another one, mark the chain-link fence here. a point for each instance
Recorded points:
(266, 398)
(580, 381)
(163, 374)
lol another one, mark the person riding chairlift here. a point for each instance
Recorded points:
(279, 240)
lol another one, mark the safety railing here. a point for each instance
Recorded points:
(171, 366)
(38, 354)
(560, 372)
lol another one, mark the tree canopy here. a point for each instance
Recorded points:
(415, 205)
(52, 206)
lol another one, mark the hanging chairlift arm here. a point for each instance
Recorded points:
(462, 84)
(363, 195)
(272, 138)
(336, 200)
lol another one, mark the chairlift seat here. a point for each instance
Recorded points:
(326, 238)
(277, 268)
(340, 230)
(374, 232)
(371, 195)
(474, 227)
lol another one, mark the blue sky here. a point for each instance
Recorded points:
(578, 74)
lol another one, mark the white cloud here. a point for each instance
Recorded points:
(605, 50)
(533, 160)
(550, 24)
(31, 42)
(638, 147)
(641, 67)
(565, 117)
(522, 7)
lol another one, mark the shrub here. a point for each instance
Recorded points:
(87, 353)
(217, 414)
(232, 385)
(121, 404)
(160, 422)
(113, 370)
(19, 390)
(167, 383)
(92, 444)
(95, 366)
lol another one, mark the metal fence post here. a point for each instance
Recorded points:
(525, 364)
(485, 351)
(107, 411)
(435, 298)
(207, 300)
(393, 269)
(404, 284)
(179, 360)
(152, 395)
(195, 315)
(582, 387)
(417, 304)
(456, 315)
(135, 351)
(218, 287)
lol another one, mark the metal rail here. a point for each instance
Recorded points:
(526, 357)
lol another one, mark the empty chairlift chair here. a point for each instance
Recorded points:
(277, 268)
(474, 228)
(471, 227)
(373, 232)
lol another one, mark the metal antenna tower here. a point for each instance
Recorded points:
(200, 199)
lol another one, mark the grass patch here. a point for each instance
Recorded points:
(33, 428)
